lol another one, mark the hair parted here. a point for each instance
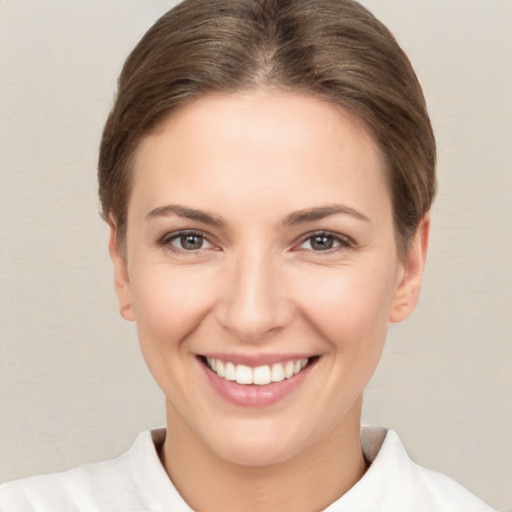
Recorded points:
(334, 50)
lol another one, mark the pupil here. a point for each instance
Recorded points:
(322, 243)
(191, 242)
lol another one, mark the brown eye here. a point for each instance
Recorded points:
(185, 241)
(325, 241)
(191, 242)
(322, 242)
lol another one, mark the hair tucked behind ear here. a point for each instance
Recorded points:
(335, 50)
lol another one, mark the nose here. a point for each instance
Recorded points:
(254, 304)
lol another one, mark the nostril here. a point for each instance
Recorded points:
(253, 304)
(254, 320)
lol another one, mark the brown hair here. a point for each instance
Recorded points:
(335, 50)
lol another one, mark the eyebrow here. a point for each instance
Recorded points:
(321, 212)
(299, 217)
(187, 213)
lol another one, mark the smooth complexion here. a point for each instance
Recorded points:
(260, 231)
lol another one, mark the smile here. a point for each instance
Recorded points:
(260, 375)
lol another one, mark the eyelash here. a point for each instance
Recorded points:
(167, 239)
(342, 242)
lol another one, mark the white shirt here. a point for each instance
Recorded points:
(137, 481)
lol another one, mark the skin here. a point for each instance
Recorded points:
(259, 285)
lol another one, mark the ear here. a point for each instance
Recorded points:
(121, 277)
(408, 287)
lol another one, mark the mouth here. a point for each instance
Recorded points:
(259, 375)
(256, 382)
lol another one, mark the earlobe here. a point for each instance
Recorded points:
(407, 291)
(121, 276)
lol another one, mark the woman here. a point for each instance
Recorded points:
(267, 173)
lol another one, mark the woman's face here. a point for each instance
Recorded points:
(260, 247)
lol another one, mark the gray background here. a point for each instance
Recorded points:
(73, 385)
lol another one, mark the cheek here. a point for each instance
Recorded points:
(169, 304)
(350, 306)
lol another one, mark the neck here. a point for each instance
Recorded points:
(310, 481)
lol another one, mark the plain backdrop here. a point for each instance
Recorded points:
(73, 386)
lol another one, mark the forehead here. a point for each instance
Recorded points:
(270, 143)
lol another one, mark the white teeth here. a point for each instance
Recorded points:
(288, 369)
(277, 374)
(230, 373)
(243, 374)
(261, 375)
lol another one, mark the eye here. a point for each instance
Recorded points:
(186, 241)
(324, 242)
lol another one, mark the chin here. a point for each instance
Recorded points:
(257, 445)
(253, 454)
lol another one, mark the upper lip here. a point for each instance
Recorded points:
(255, 360)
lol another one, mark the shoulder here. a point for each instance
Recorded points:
(135, 481)
(67, 491)
(394, 483)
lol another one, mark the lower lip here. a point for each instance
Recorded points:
(254, 395)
